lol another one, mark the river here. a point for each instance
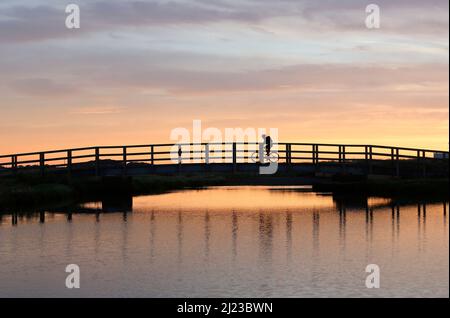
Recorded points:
(228, 242)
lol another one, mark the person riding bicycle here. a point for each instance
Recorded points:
(268, 144)
(264, 153)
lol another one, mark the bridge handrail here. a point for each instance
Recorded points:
(221, 143)
(96, 158)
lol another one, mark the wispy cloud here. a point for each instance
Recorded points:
(40, 21)
(43, 87)
(96, 111)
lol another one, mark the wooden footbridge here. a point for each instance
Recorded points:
(297, 158)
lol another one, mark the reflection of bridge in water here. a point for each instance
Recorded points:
(266, 220)
(228, 157)
(322, 226)
(269, 229)
(263, 246)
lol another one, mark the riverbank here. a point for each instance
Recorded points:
(26, 191)
(35, 191)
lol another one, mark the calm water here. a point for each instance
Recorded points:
(228, 242)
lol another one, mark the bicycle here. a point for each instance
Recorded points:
(272, 157)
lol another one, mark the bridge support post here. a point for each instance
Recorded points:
(41, 216)
(370, 155)
(14, 218)
(42, 163)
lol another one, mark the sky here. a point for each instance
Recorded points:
(135, 70)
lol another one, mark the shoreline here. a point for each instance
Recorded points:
(29, 192)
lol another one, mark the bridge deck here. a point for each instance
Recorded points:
(229, 157)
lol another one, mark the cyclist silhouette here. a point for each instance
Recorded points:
(268, 144)
(266, 154)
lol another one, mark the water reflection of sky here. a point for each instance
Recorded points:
(238, 241)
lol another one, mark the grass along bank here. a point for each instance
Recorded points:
(35, 191)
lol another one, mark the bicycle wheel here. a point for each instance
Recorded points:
(254, 157)
(273, 157)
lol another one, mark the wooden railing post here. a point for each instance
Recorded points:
(397, 162)
(14, 164)
(423, 161)
(42, 163)
(224, 152)
(152, 155)
(207, 154)
(418, 163)
(317, 154)
(288, 154)
(343, 160)
(393, 162)
(124, 161)
(69, 163)
(97, 161)
(180, 154)
(234, 157)
(343, 155)
(424, 164)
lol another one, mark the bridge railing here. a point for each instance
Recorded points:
(208, 153)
